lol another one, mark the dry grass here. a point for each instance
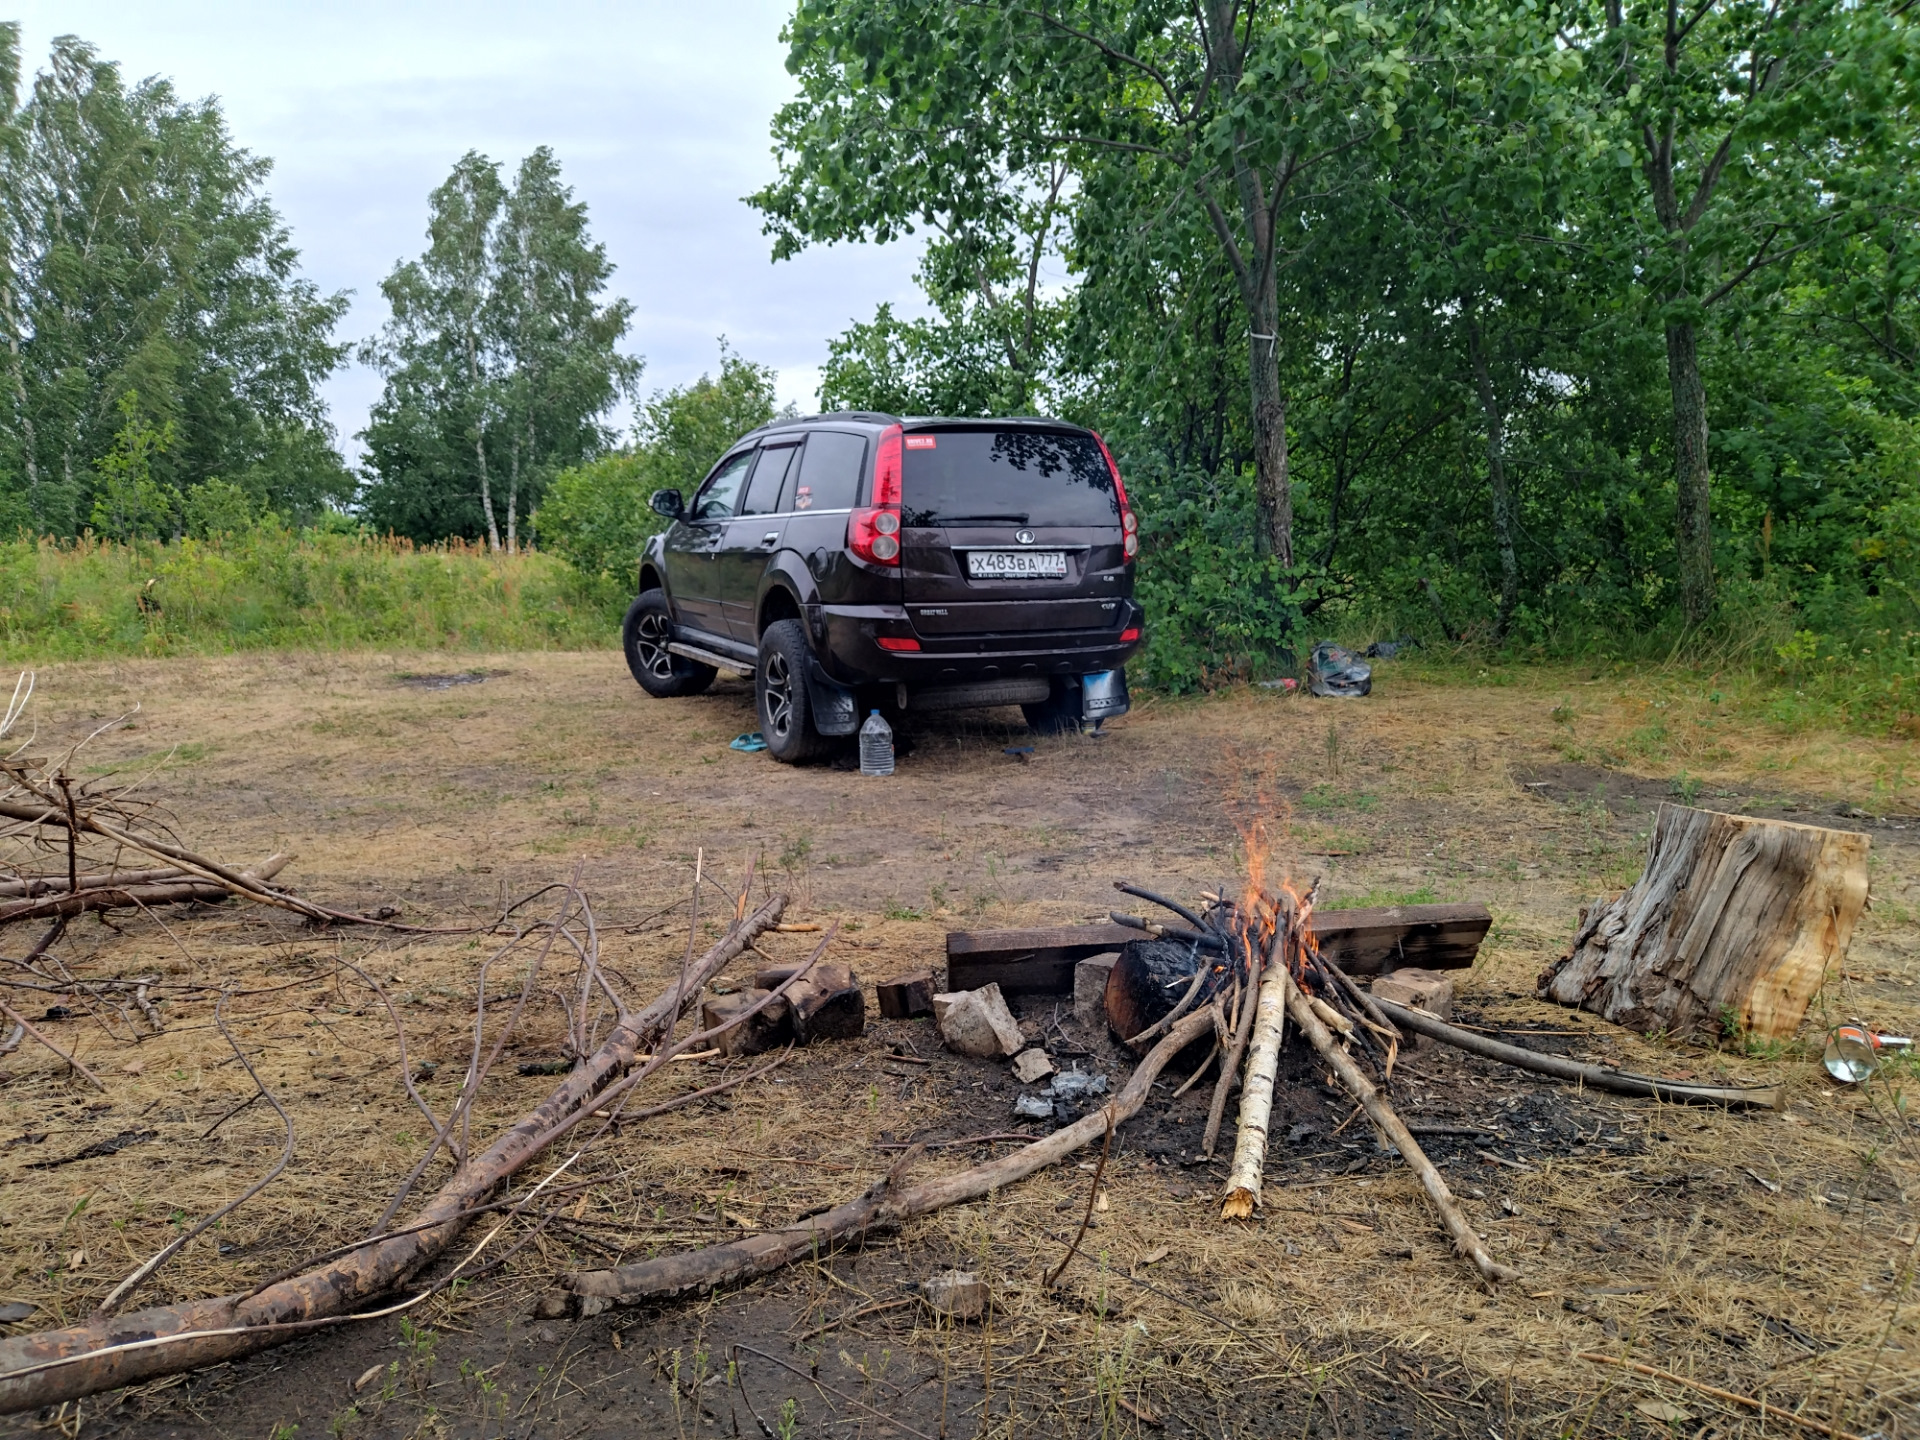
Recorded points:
(1676, 1250)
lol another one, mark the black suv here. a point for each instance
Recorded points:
(860, 561)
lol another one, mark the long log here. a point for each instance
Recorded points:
(32, 886)
(1465, 1240)
(1594, 1077)
(56, 1365)
(1256, 1093)
(104, 896)
(877, 1209)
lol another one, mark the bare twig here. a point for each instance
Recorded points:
(1093, 1194)
(22, 1022)
(139, 1277)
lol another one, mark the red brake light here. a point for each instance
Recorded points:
(886, 468)
(1130, 634)
(897, 642)
(873, 533)
(1129, 527)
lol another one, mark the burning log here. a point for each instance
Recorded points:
(1155, 982)
(1733, 919)
(1256, 1097)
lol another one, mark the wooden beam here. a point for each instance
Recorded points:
(1362, 942)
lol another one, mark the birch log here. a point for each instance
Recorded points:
(1256, 1095)
(1733, 925)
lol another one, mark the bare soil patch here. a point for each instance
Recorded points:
(1758, 1252)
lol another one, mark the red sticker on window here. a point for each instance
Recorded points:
(920, 442)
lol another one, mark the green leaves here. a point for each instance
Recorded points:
(139, 253)
(500, 358)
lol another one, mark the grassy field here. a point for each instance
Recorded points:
(277, 589)
(1768, 1252)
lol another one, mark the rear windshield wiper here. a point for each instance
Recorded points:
(1019, 519)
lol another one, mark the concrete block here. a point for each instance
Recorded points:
(977, 1022)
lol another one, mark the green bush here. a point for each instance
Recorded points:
(595, 517)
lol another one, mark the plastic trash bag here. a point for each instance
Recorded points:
(1336, 671)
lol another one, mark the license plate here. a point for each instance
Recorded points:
(1017, 564)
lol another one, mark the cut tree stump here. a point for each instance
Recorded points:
(1734, 923)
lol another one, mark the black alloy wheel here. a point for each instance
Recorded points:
(780, 690)
(645, 636)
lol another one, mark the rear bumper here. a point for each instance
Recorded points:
(846, 638)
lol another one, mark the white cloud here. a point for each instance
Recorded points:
(658, 113)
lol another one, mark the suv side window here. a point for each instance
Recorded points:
(718, 497)
(769, 476)
(830, 473)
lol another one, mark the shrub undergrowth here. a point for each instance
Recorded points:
(266, 587)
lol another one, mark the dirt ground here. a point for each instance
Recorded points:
(1767, 1254)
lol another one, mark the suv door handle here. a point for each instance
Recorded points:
(772, 537)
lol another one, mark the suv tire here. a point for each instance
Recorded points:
(644, 636)
(1058, 714)
(780, 693)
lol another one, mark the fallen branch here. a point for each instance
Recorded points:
(1728, 1395)
(21, 1021)
(1594, 1077)
(57, 1365)
(34, 886)
(109, 896)
(882, 1207)
(1465, 1240)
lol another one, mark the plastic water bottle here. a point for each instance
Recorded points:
(876, 746)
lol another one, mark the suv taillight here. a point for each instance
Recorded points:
(873, 533)
(1129, 527)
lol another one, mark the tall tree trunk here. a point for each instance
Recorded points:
(513, 490)
(1693, 484)
(17, 373)
(1254, 267)
(1496, 471)
(1272, 487)
(480, 446)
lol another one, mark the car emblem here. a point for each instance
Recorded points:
(1025, 537)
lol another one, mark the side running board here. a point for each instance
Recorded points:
(711, 657)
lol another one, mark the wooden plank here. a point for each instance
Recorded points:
(1362, 942)
(1379, 940)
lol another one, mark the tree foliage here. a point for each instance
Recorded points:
(1564, 319)
(501, 360)
(596, 515)
(157, 335)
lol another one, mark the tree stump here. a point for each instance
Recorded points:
(1733, 924)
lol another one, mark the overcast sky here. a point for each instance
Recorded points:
(658, 113)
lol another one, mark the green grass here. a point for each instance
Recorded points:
(271, 588)
(1382, 898)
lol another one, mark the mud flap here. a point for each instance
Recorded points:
(836, 711)
(1103, 695)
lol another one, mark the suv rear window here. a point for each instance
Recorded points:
(1024, 477)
